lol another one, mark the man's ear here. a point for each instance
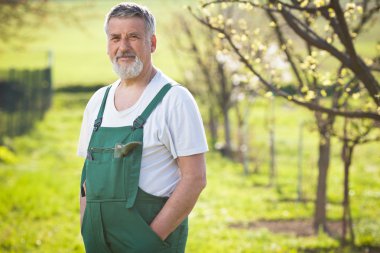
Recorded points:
(153, 43)
(107, 47)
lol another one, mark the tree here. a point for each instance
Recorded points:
(19, 16)
(219, 92)
(202, 58)
(309, 34)
(354, 133)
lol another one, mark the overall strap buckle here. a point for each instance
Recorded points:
(97, 124)
(138, 123)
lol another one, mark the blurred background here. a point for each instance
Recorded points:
(290, 98)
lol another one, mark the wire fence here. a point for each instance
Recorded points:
(25, 95)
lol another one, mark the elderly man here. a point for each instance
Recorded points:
(144, 144)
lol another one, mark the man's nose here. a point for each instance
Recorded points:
(124, 44)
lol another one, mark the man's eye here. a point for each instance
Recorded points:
(133, 37)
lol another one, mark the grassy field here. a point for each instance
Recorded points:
(39, 192)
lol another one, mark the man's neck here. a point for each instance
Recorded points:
(141, 80)
(130, 90)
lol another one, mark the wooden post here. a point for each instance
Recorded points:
(300, 158)
(272, 148)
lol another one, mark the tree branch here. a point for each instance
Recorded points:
(366, 17)
(262, 6)
(360, 138)
(282, 41)
(311, 106)
(311, 37)
(335, 25)
(344, 33)
(358, 66)
(311, 10)
(353, 62)
(197, 53)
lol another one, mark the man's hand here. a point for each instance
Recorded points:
(84, 188)
(82, 204)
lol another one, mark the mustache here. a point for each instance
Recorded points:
(127, 54)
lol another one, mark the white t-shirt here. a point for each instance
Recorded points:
(173, 129)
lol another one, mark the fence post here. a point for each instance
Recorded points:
(299, 163)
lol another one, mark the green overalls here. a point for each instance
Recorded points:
(118, 212)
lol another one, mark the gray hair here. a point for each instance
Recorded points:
(128, 10)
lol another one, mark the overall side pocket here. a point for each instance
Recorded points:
(148, 235)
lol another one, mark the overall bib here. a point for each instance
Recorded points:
(118, 212)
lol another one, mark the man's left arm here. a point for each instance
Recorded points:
(184, 197)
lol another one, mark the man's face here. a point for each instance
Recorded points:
(129, 47)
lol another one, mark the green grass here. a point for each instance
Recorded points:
(39, 193)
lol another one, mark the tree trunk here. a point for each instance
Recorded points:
(324, 126)
(227, 132)
(346, 156)
(272, 148)
(213, 126)
(323, 165)
(347, 152)
(243, 136)
(225, 106)
(299, 164)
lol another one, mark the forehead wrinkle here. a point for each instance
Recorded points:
(141, 30)
(115, 34)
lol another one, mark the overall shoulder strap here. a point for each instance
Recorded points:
(140, 120)
(97, 124)
(99, 118)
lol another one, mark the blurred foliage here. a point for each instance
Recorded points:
(7, 156)
(20, 19)
(312, 45)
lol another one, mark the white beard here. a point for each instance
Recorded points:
(128, 71)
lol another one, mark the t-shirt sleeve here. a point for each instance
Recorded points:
(185, 131)
(88, 120)
(84, 136)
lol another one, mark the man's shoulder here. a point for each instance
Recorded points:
(179, 93)
(97, 97)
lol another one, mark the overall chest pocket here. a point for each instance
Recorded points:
(104, 175)
(106, 171)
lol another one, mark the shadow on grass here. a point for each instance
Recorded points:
(295, 200)
(306, 200)
(348, 249)
(299, 228)
(304, 228)
(79, 88)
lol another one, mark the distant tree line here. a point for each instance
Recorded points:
(25, 95)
